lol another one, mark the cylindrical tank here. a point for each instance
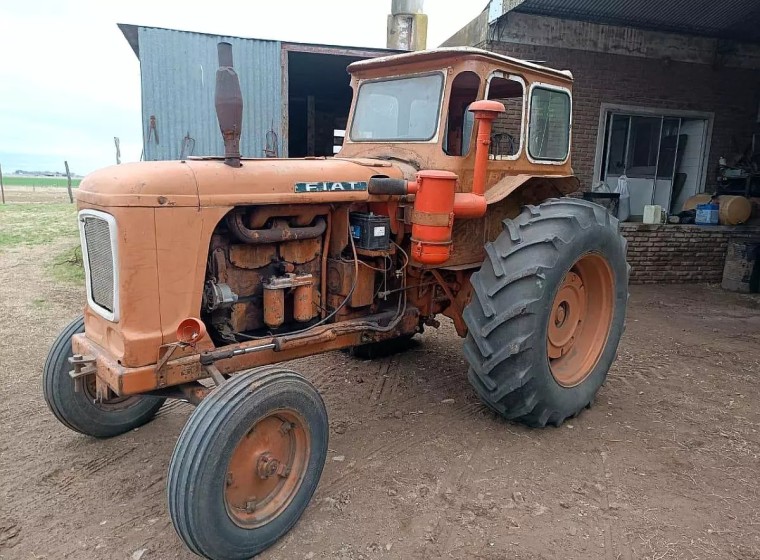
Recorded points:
(274, 307)
(303, 308)
(734, 210)
(433, 216)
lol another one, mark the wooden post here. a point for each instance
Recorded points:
(68, 181)
(2, 189)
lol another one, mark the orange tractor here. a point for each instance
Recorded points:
(444, 199)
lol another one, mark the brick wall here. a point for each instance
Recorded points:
(680, 253)
(730, 93)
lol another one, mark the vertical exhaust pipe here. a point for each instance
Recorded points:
(228, 100)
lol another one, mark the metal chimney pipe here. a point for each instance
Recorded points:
(228, 100)
(407, 26)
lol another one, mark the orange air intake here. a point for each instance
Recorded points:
(436, 201)
(432, 216)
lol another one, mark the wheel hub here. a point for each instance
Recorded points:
(569, 308)
(580, 320)
(266, 469)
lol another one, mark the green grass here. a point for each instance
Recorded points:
(68, 266)
(35, 224)
(38, 181)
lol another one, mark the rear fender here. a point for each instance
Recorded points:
(533, 188)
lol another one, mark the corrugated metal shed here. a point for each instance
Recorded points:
(737, 20)
(178, 70)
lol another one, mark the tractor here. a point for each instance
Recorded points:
(446, 198)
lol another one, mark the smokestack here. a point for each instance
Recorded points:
(407, 26)
(228, 100)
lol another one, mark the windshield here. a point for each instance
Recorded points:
(398, 109)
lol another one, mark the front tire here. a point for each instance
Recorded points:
(548, 311)
(247, 463)
(78, 410)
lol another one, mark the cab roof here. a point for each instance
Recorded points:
(458, 53)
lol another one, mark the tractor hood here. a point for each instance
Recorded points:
(209, 182)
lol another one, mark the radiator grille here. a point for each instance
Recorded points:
(99, 255)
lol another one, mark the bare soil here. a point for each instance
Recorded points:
(663, 466)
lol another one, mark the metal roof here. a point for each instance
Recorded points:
(737, 20)
(448, 52)
(131, 34)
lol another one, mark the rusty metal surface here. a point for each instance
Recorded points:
(274, 306)
(444, 53)
(507, 185)
(129, 381)
(279, 232)
(300, 252)
(303, 303)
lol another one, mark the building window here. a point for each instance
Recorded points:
(460, 121)
(398, 109)
(549, 135)
(507, 130)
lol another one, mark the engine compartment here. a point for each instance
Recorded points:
(286, 268)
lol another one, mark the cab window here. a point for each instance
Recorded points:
(460, 122)
(398, 109)
(549, 135)
(507, 130)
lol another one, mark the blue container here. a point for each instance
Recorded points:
(707, 215)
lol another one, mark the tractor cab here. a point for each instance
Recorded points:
(415, 107)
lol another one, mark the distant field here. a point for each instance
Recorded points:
(36, 224)
(14, 181)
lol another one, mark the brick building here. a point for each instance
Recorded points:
(662, 89)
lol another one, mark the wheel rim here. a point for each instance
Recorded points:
(266, 469)
(580, 320)
(114, 404)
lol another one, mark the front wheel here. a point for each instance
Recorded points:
(247, 463)
(78, 410)
(548, 311)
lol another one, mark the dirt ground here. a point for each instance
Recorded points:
(663, 466)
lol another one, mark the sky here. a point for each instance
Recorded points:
(69, 82)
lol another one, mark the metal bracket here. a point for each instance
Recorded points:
(83, 366)
(216, 375)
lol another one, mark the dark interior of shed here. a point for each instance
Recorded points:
(319, 98)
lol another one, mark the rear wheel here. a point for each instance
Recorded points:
(247, 463)
(548, 311)
(78, 410)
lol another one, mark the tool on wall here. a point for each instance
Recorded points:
(188, 146)
(272, 145)
(153, 129)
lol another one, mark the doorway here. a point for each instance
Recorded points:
(663, 155)
(319, 99)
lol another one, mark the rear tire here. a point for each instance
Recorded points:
(548, 311)
(77, 410)
(247, 463)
